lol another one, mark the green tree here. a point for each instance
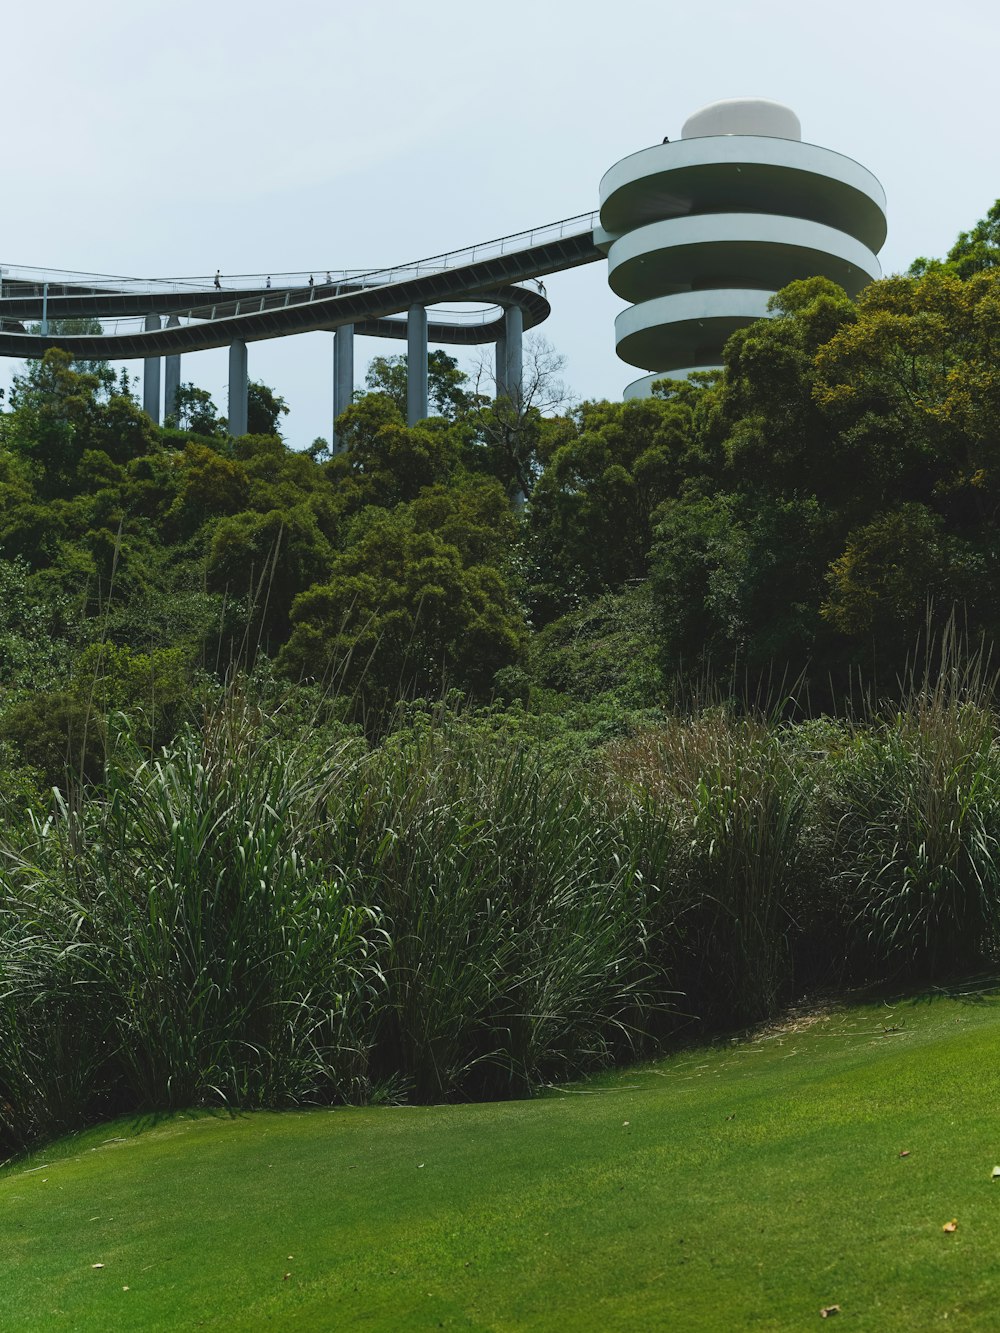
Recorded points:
(974, 251)
(265, 409)
(913, 384)
(896, 567)
(267, 560)
(211, 486)
(282, 478)
(446, 384)
(403, 614)
(34, 631)
(385, 462)
(766, 429)
(591, 511)
(59, 734)
(850, 479)
(59, 413)
(195, 411)
(738, 580)
(762, 503)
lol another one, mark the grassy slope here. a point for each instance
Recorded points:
(750, 1186)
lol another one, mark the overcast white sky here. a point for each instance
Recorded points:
(157, 139)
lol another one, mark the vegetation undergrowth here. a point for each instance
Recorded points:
(245, 920)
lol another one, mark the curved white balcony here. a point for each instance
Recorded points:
(686, 329)
(739, 173)
(734, 250)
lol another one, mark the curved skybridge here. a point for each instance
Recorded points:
(154, 319)
(698, 234)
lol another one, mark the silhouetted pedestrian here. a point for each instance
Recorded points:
(312, 281)
(268, 283)
(218, 281)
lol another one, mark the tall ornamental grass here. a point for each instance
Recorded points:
(916, 852)
(515, 943)
(178, 941)
(234, 923)
(736, 811)
(450, 914)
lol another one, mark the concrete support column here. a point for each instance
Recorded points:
(343, 376)
(416, 364)
(171, 376)
(237, 387)
(513, 324)
(501, 367)
(151, 377)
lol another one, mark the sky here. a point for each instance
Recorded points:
(159, 139)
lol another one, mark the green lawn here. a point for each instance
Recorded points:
(742, 1186)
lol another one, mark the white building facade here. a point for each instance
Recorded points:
(701, 232)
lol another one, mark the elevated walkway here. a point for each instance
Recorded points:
(251, 311)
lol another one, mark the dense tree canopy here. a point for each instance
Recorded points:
(420, 600)
(972, 252)
(447, 393)
(812, 510)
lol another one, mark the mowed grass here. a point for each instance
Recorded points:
(742, 1186)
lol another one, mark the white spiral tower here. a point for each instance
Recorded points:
(701, 232)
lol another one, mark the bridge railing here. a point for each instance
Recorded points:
(130, 324)
(21, 281)
(24, 281)
(579, 225)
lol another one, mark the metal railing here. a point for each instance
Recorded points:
(21, 281)
(130, 324)
(24, 281)
(516, 243)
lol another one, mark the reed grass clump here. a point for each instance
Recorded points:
(514, 939)
(178, 941)
(735, 808)
(917, 797)
(235, 922)
(248, 921)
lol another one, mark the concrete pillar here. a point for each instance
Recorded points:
(171, 376)
(343, 376)
(501, 367)
(151, 377)
(237, 387)
(513, 323)
(416, 364)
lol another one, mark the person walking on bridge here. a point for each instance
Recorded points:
(218, 281)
